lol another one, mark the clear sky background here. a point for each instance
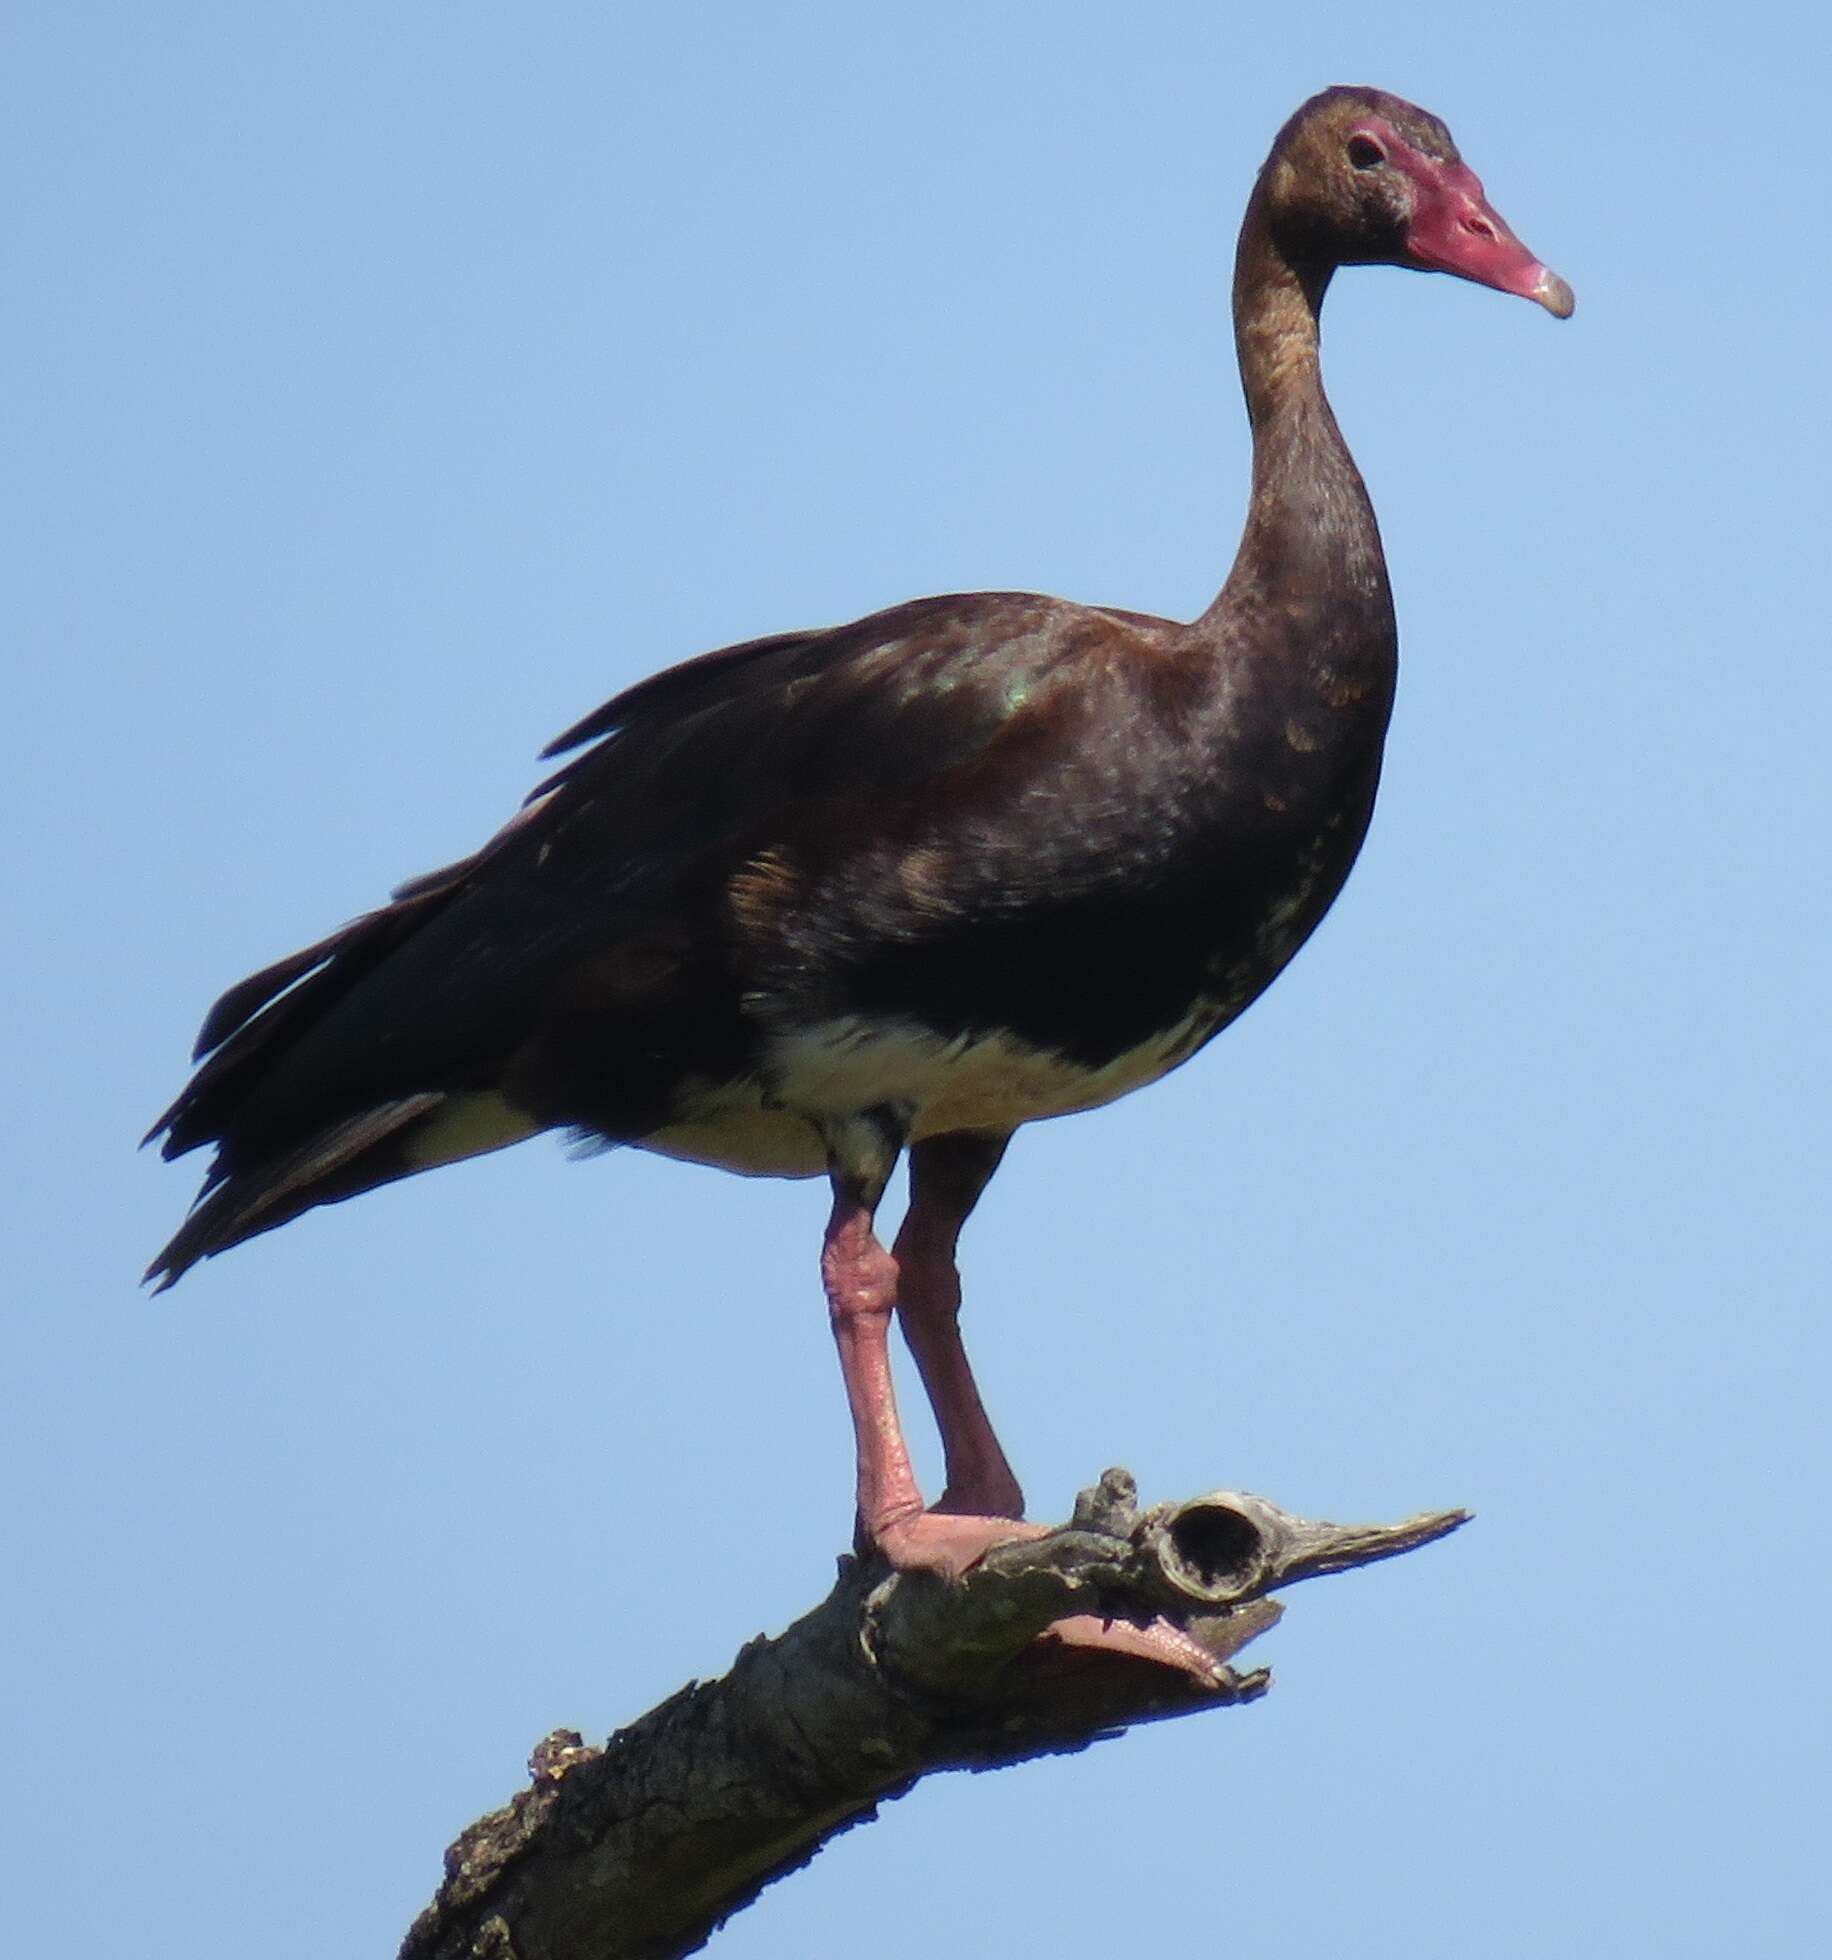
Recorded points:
(392, 384)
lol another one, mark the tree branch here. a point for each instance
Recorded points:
(641, 1849)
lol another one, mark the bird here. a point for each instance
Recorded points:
(808, 905)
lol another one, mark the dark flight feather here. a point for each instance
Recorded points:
(604, 898)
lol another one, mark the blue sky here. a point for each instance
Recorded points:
(391, 386)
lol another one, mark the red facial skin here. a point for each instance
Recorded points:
(1455, 229)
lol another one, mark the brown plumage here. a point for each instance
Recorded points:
(914, 881)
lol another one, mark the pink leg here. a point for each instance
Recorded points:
(861, 1283)
(947, 1175)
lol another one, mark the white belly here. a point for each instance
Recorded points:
(841, 1067)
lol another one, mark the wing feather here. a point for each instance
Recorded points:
(620, 864)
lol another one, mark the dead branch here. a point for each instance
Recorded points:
(639, 1850)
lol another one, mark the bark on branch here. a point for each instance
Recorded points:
(641, 1849)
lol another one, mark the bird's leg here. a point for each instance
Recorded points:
(861, 1283)
(947, 1175)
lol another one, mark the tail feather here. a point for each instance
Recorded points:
(338, 1162)
(247, 997)
(253, 1023)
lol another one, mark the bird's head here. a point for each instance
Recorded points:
(1359, 177)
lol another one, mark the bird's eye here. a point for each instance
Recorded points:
(1365, 153)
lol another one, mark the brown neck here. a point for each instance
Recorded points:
(1276, 303)
(1310, 537)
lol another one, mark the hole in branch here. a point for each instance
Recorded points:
(1217, 1544)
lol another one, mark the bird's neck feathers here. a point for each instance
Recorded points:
(1310, 558)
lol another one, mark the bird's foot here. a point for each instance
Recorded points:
(946, 1543)
(951, 1544)
(1158, 1642)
